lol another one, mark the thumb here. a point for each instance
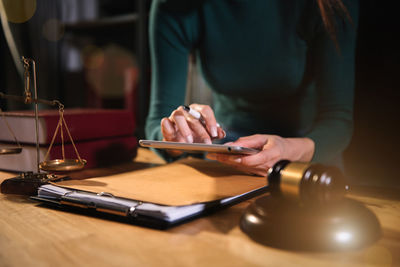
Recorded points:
(253, 141)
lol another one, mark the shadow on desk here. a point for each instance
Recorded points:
(111, 170)
(213, 169)
(18, 199)
(223, 221)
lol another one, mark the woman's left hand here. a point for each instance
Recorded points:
(273, 148)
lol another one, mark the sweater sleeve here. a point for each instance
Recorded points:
(334, 72)
(171, 34)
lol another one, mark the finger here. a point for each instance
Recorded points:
(229, 159)
(179, 137)
(168, 130)
(253, 171)
(174, 152)
(208, 116)
(200, 133)
(221, 132)
(235, 161)
(262, 158)
(253, 141)
(248, 161)
(169, 134)
(261, 170)
(181, 124)
(211, 156)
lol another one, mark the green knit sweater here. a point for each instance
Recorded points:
(270, 63)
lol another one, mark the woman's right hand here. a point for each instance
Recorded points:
(182, 127)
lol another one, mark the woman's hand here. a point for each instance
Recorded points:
(182, 127)
(273, 148)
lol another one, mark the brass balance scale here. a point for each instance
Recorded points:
(54, 165)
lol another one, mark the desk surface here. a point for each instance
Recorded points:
(33, 235)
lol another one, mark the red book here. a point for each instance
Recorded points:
(83, 124)
(97, 153)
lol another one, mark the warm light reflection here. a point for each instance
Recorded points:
(253, 219)
(343, 236)
(107, 70)
(328, 181)
(18, 11)
(93, 57)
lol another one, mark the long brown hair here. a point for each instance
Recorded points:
(329, 9)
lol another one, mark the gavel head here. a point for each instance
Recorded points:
(310, 183)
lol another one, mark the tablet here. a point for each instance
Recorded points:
(198, 147)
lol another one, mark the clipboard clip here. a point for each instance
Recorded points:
(105, 194)
(132, 210)
(112, 207)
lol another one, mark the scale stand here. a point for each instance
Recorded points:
(28, 182)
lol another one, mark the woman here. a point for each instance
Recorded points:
(282, 75)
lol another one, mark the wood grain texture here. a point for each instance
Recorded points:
(33, 235)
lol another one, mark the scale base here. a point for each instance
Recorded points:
(27, 183)
(281, 223)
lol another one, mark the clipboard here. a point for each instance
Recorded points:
(159, 197)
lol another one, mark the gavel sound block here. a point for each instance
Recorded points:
(307, 210)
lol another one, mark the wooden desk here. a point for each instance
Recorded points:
(32, 235)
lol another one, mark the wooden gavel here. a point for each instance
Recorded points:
(307, 182)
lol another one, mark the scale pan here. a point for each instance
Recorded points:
(10, 150)
(59, 165)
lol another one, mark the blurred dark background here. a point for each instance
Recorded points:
(94, 53)
(373, 154)
(90, 53)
